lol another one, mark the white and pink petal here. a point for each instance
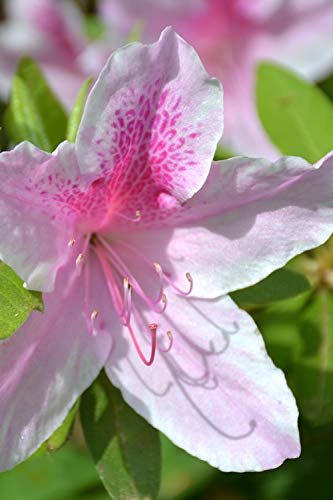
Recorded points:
(250, 218)
(216, 393)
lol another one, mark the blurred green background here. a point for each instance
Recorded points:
(69, 474)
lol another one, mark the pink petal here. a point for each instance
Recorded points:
(152, 122)
(216, 394)
(45, 367)
(36, 223)
(251, 217)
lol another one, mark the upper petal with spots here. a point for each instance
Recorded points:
(152, 122)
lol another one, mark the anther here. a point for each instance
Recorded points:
(25, 285)
(94, 315)
(189, 278)
(164, 301)
(137, 217)
(79, 259)
(126, 283)
(157, 268)
(71, 243)
(170, 337)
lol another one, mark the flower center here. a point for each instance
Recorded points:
(122, 284)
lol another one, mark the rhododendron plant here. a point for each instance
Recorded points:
(136, 238)
(231, 37)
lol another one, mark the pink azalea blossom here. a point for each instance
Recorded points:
(231, 37)
(52, 33)
(136, 239)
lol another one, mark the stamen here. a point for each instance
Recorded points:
(121, 267)
(164, 301)
(111, 282)
(153, 329)
(175, 287)
(170, 337)
(89, 317)
(94, 315)
(127, 301)
(137, 217)
(71, 243)
(110, 262)
(79, 259)
(25, 285)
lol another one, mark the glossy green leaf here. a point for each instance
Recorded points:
(136, 33)
(124, 447)
(326, 86)
(222, 154)
(296, 115)
(61, 435)
(77, 111)
(66, 475)
(94, 27)
(34, 112)
(299, 337)
(16, 303)
(281, 284)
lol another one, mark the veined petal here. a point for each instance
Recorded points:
(45, 366)
(216, 393)
(152, 122)
(251, 218)
(36, 221)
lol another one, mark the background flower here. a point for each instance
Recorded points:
(231, 37)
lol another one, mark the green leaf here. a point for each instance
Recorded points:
(136, 33)
(182, 473)
(60, 436)
(124, 447)
(94, 27)
(34, 112)
(222, 154)
(66, 475)
(77, 111)
(281, 284)
(296, 115)
(326, 86)
(299, 337)
(16, 303)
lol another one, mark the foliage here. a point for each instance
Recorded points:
(124, 447)
(34, 113)
(296, 115)
(16, 302)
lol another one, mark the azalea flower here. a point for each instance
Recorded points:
(52, 33)
(232, 37)
(135, 238)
